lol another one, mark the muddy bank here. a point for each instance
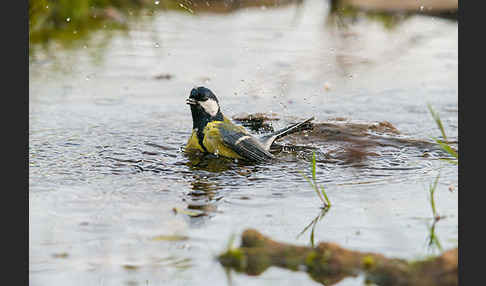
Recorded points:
(329, 263)
(66, 22)
(447, 8)
(401, 5)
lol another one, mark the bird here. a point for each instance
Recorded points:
(214, 133)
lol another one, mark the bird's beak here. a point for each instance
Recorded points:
(191, 101)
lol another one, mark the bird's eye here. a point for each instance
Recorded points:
(204, 98)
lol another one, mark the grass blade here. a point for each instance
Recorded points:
(437, 120)
(313, 166)
(325, 196)
(313, 186)
(447, 148)
(321, 194)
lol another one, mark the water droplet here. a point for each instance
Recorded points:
(47, 7)
(157, 2)
(68, 19)
(157, 45)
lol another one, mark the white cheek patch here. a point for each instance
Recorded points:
(210, 106)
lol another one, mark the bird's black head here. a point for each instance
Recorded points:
(204, 107)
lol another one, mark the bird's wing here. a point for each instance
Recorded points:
(243, 143)
(267, 140)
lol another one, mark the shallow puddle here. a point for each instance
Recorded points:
(113, 200)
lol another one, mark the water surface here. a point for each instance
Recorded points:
(107, 125)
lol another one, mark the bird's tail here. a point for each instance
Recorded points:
(268, 140)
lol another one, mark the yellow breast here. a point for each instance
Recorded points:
(193, 142)
(214, 143)
(212, 140)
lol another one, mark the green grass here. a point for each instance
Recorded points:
(443, 143)
(433, 240)
(321, 193)
(67, 22)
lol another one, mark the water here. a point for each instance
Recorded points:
(106, 168)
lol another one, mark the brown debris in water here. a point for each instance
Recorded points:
(329, 263)
(61, 255)
(166, 76)
(353, 154)
(346, 141)
(357, 135)
(384, 127)
(256, 121)
(259, 116)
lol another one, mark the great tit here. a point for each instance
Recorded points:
(214, 133)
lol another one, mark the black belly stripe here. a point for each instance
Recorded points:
(200, 139)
